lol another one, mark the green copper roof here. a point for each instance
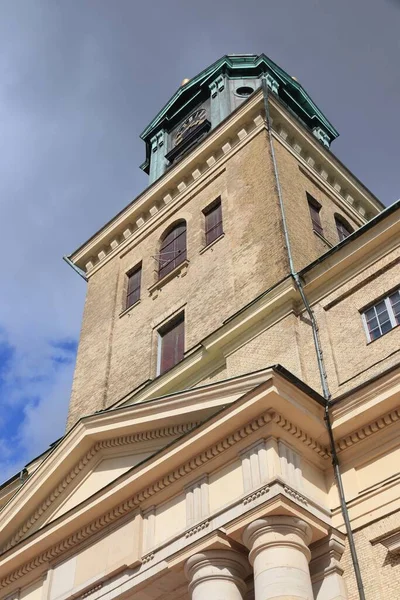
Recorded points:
(244, 65)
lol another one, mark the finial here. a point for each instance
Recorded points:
(184, 82)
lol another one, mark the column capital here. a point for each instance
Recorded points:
(279, 531)
(217, 566)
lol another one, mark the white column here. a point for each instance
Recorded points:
(326, 573)
(217, 575)
(279, 554)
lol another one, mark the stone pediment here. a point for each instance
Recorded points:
(103, 447)
(96, 483)
(101, 464)
(99, 472)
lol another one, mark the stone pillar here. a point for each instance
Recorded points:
(326, 573)
(279, 554)
(217, 575)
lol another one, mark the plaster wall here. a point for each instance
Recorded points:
(170, 518)
(33, 591)
(106, 471)
(102, 557)
(225, 485)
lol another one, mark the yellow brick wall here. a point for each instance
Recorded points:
(380, 570)
(305, 243)
(339, 317)
(118, 353)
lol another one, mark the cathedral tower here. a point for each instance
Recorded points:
(234, 420)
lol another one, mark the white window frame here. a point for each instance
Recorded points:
(389, 310)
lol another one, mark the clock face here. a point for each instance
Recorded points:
(195, 119)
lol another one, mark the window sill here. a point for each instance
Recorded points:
(179, 271)
(211, 244)
(127, 310)
(321, 237)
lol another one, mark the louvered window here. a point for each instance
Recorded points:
(173, 250)
(343, 228)
(315, 209)
(133, 290)
(171, 344)
(382, 316)
(213, 221)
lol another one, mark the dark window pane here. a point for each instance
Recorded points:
(375, 334)
(213, 222)
(133, 291)
(343, 229)
(386, 326)
(173, 250)
(315, 208)
(370, 313)
(381, 308)
(373, 323)
(172, 344)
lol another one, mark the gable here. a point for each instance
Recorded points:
(105, 471)
(75, 475)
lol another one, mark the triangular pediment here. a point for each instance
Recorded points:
(77, 474)
(102, 471)
(102, 450)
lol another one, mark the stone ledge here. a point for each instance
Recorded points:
(127, 310)
(211, 244)
(179, 271)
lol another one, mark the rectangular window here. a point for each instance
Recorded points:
(213, 221)
(382, 316)
(133, 289)
(171, 344)
(315, 208)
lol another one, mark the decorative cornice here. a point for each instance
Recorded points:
(330, 175)
(144, 436)
(197, 528)
(134, 502)
(256, 494)
(368, 430)
(216, 156)
(96, 588)
(298, 433)
(295, 495)
(148, 558)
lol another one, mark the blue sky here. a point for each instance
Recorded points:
(78, 82)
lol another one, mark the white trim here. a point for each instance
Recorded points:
(159, 346)
(389, 310)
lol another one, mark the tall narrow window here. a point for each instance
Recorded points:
(343, 228)
(172, 250)
(315, 208)
(213, 221)
(171, 344)
(133, 290)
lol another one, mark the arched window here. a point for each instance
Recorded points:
(172, 250)
(343, 227)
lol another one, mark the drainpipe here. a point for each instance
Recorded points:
(319, 353)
